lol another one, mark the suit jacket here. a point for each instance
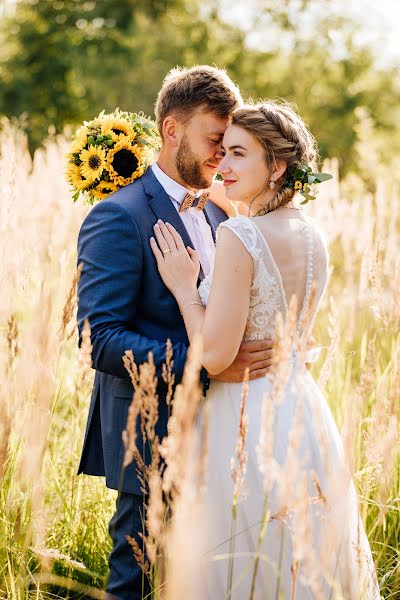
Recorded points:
(127, 305)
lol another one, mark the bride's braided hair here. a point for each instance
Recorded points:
(284, 136)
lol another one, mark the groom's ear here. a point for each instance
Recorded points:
(171, 130)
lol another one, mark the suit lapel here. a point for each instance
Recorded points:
(214, 216)
(161, 204)
(207, 214)
(162, 207)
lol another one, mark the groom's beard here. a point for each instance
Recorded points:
(189, 167)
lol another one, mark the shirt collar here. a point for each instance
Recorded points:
(174, 189)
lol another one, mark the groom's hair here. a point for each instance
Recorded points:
(184, 90)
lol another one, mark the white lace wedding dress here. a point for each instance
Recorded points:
(313, 545)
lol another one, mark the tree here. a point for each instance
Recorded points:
(61, 57)
(63, 62)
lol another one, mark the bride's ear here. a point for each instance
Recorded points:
(278, 170)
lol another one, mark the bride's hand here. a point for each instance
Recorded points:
(178, 266)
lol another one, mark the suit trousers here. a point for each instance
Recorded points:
(126, 580)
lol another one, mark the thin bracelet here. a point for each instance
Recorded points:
(190, 304)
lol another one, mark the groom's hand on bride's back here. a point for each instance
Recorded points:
(257, 356)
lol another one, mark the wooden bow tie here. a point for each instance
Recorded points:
(189, 200)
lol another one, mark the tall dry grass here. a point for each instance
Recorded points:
(53, 524)
(48, 516)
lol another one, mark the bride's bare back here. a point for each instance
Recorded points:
(299, 251)
(287, 236)
(288, 256)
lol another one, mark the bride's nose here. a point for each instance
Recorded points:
(223, 165)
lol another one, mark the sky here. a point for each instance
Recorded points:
(379, 21)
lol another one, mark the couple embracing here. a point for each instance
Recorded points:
(162, 259)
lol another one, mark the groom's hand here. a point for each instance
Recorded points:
(257, 356)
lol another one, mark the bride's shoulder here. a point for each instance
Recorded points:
(238, 223)
(243, 229)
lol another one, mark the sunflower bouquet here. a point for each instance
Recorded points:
(109, 152)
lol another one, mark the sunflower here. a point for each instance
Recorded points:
(104, 189)
(93, 162)
(116, 126)
(73, 176)
(125, 162)
(80, 140)
(298, 185)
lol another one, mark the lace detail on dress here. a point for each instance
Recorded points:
(204, 289)
(266, 295)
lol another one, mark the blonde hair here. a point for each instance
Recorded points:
(285, 137)
(185, 89)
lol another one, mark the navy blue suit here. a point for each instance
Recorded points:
(128, 307)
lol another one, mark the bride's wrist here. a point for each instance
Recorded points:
(185, 296)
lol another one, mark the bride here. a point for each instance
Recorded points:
(286, 524)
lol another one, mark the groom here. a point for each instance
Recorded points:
(125, 301)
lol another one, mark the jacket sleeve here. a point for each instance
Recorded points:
(110, 251)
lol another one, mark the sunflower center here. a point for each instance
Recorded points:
(94, 162)
(118, 131)
(125, 162)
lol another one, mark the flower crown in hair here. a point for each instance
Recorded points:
(303, 180)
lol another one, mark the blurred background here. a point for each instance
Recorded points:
(62, 61)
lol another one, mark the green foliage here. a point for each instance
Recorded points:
(63, 62)
(304, 180)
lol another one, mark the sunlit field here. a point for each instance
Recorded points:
(53, 524)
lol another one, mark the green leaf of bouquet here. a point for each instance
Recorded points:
(304, 201)
(75, 196)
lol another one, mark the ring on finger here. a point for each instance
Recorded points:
(165, 251)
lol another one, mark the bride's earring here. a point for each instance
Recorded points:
(271, 184)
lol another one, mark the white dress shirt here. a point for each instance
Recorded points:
(194, 220)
